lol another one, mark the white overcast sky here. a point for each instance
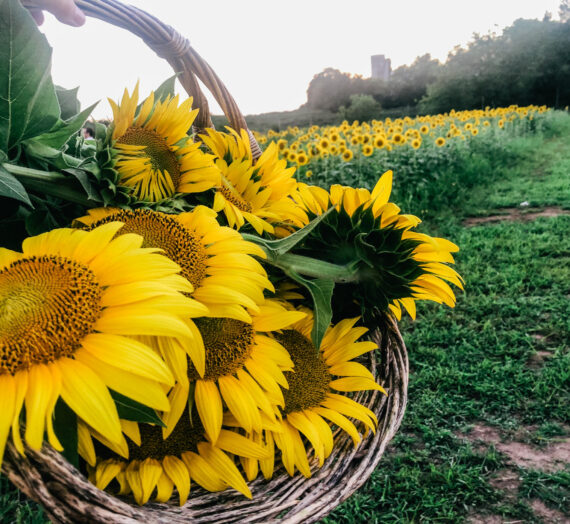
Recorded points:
(267, 52)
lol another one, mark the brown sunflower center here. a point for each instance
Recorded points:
(232, 196)
(228, 344)
(48, 304)
(163, 231)
(185, 437)
(309, 382)
(161, 156)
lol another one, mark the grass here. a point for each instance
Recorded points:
(470, 365)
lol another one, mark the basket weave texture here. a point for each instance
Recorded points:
(66, 495)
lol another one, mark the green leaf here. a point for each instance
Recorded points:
(64, 130)
(11, 187)
(162, 91)
(68, 102)
(49, 183)
(130, 409)
(283, 245)
(83, 178)
(39, 221)
(191, 401)
(36, 149)
(65, 427)
(321, 292)
(28, 103)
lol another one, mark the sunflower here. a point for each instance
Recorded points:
(223, 277)
(367, 150)
(253, 193)
(69, 304)
(440, 141)
(402, 265)
(379, 141)
(154, 155)
(416, 143)
(398, 139)
(151, 466)
(315, 396)
(244, 370)
(347, 155)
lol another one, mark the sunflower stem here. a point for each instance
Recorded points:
(312, 267)
(49, 183)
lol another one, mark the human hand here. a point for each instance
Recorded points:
(64, 10)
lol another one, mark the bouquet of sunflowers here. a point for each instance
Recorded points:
(175, 309)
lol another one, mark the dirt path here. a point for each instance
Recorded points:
(517, 214)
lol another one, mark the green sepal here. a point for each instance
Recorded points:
(65, 428)
(82, 177)
(130, 409)
(321, 292)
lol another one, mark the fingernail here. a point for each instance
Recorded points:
(78, 17)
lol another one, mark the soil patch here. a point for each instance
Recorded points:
(516, 214)
(552, 516)
(484, 519)
(555, 456)
(506, 480)
(537, 360)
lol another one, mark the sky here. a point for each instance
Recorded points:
(265, 52)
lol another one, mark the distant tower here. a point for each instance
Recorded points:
(381, 67)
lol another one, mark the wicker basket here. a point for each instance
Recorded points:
(65, 493)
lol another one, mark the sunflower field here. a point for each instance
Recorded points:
(433, 156)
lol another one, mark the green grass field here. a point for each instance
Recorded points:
(490, 380)
(497, 366)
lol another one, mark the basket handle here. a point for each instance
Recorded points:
(167, 43)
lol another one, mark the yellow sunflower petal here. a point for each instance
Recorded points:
(240, 445)
(85, 393)
(179, 474)
(209, 405)
(222, 463)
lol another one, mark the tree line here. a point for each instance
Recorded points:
(529, 63)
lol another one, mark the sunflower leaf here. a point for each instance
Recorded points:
(130, 409)
(28, 102)
(82, 176)
(11, 187)
(163, 91)
(321, 292)
(65, 428)
(64, 129)
(68, 102)
(283, 245)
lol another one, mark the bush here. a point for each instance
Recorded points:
(361, 108)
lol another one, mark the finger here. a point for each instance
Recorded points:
(64, 10)
(37, 15)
